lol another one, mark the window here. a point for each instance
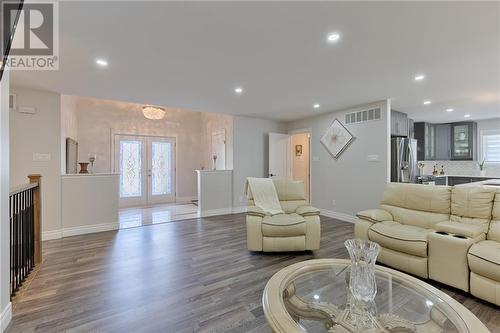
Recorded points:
(490, 145)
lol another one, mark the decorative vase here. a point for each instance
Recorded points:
(362, 283)
(83, 167)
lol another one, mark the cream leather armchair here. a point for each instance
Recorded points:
(296, 230)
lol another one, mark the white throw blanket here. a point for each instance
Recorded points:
(264, 195)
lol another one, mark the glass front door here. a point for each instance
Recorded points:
(147, 169)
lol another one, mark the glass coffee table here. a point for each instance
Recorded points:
(313, 296)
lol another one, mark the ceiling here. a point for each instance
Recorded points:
(192, 55)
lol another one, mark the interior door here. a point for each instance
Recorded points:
(161, 170)
(131, 162)
(279, 156)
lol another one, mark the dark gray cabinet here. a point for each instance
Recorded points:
(425, 133)
(443, 142)
(399, 123)
(463, 141)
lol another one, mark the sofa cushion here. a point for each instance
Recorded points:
(484, 259)
(375, 215)
(399, 237)
(307, 210)
(472, 204)
(433, 199)
(283, 225)
(290, 190)
(494, 232)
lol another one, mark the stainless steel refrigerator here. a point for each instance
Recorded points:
(404, 160)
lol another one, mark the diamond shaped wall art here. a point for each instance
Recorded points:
(336, 139)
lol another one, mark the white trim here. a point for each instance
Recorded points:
(337, 215)
(5, 317)
(215, 212)
(81, 230)
(185, 199)
(53, 234)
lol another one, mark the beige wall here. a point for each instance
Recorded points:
(38, 133)
(300, 164)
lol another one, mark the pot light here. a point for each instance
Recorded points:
(316, 106)
(238, 90)
(333, 37)
(419, 77)
(450, 110)
(101, 62)
(427, 102)
(466, 115)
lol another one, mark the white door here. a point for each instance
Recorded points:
(279, 156)
(147, 169)
(219, 149)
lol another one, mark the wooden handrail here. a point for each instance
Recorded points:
(21, 188)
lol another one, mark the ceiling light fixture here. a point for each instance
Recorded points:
(153, 112)
(238, 90)
(419, 77)
(466, 115)
(427, 102)
(101, 62)
(333, 37)
(450, 110)
(316, 106)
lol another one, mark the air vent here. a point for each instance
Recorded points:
(362, 116)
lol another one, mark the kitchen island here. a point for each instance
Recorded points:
(460, 179)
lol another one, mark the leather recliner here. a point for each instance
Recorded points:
(298, 229)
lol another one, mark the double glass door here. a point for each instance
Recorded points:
(147, 169)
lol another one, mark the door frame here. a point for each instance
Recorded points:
(112, 151)
(307, 130)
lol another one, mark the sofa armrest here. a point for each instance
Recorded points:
(307, 211)
(375, 215)
(255, 211)
(461, 229)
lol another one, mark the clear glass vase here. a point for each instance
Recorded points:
(362, 281)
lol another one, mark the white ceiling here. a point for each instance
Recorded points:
(191, 55)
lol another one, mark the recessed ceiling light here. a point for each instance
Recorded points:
(238, 90)
(316, 106)
(101, 62)
(450, 110)
(333, 37)
(419, 77)
(466, 115)
(427, 102)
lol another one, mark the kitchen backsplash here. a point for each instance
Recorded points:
(461, 168)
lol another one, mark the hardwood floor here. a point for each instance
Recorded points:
(188, 276)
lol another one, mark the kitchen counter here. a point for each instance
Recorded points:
(488, 182)
(460, 179)
(469, 176)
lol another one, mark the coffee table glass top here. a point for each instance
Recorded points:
(317, 298)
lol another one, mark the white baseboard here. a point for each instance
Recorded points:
(53, 234)
(338, 216)
(5, 317)
(185, 199)
(81, 230)
(215, 212)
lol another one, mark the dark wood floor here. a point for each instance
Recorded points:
(186, 276)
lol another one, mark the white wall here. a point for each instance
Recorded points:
(351, 180)
(69, 125)
(38, 133)
(98, 119)
(5, 306)
(250, 152)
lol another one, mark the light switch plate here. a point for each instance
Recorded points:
(41, 157)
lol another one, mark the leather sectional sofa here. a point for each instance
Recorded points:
(447, 234)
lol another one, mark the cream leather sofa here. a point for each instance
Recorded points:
(439, 232)
(296, 230)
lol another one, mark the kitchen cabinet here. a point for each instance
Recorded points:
(443, 142)
(425, 133)
(463, 141)
(399, 123)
